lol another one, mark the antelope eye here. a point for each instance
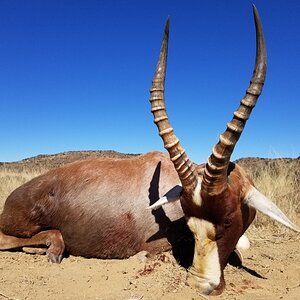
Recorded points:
(227, 222)
(218, 236)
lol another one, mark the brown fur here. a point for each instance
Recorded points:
(99, 206)
(226, 210)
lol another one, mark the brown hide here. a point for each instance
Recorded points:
(233, 215)
(228, 214)
(100, 207)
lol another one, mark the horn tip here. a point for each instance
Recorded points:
(255, 12)
(167, 25)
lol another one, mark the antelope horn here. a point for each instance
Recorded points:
(215, 173)
(182, 163)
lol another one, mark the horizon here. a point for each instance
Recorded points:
(75, 76)
(130, 154)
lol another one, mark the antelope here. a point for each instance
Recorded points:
(115, 208)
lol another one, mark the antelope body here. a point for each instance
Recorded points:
(100, 208)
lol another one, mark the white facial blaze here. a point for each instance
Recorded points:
(197, 196)
(206, 264)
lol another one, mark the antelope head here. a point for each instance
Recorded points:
(219, 200)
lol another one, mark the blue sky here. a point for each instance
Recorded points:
(75, 75)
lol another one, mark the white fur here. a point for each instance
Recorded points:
(197, 196)
(243, 243)
(206, 262)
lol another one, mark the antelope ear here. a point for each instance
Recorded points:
(171, 196)
(260, 202)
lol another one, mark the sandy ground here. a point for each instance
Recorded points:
(271, 270)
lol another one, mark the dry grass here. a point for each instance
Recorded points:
(11, 179)
(278, 179)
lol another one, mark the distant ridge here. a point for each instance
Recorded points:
(49, 161)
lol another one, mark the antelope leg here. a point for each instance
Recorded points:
(50, 238)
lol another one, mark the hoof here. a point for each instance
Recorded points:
(54, 258)
(236, 258)
(57, 247)
(142, 256)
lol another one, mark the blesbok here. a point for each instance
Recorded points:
(100, 208)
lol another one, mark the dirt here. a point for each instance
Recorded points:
(271, 269)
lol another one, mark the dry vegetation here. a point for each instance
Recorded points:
(272, 269)
(11, 179)
(279, 180)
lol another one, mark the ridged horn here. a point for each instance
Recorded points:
(215, 173)
(182, 163)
